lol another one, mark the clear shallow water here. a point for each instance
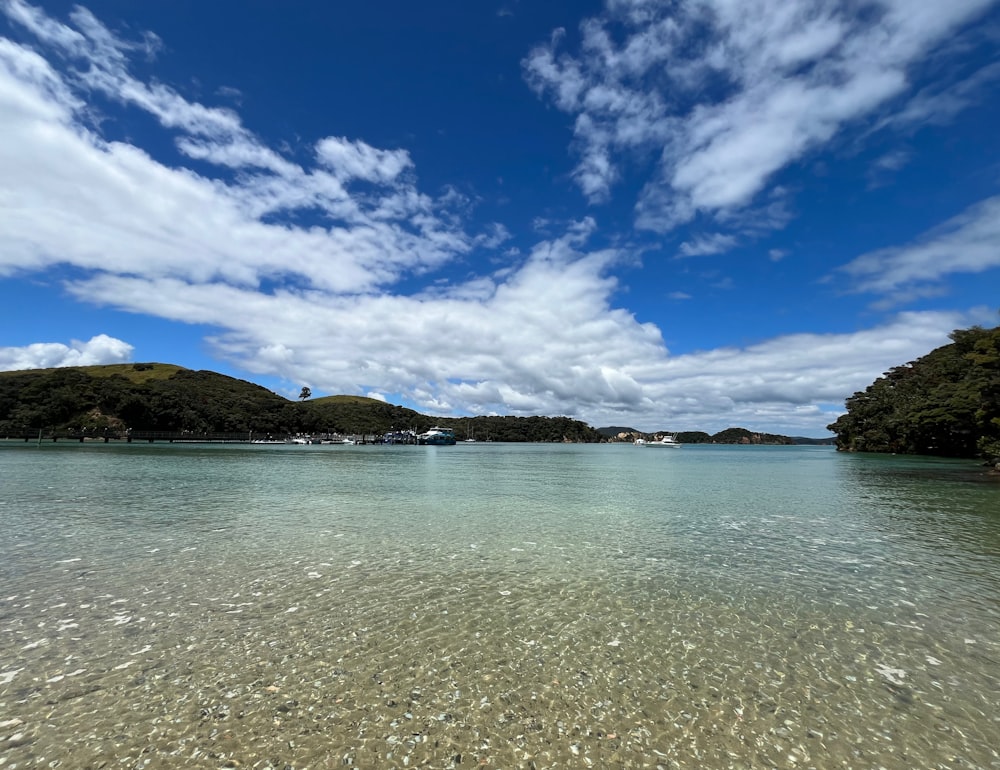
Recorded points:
(495, 605)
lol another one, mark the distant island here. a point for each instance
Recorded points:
(727, 436)
(111, 401)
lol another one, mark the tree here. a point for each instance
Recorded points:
(306, 393)
(946, 403)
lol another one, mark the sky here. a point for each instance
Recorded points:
(685, 215)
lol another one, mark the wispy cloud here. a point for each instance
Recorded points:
(78, 195)
(939, 103)
(727, 94)
(716, 243)
(967, 243)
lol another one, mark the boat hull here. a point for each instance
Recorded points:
(437, 437)
(667, 441)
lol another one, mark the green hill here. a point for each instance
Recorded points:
(945, 403)
(165, 397)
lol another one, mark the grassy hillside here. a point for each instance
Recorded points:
(164, 397)
(347, 400)
(136, 373)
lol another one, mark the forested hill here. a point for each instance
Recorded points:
(727, 436)
(164, 397)
(946, 403)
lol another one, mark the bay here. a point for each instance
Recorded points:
(495, 605)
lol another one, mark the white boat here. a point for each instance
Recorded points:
(437, 436)
(670, 440)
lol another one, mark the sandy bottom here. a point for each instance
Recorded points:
(372, 665)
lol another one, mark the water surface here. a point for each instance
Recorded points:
(495, 605)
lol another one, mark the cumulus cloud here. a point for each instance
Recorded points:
(544, 339)
(536, 345)
(724, 95)
(100, 349)
(72, 197)
(793, 384)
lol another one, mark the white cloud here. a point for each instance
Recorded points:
(884, 168)
(716, 243)
(359, 160)
(793, 384)
(72, 197)
(544, 342)
(939, 103)
(545, 339)
(100, 349)
(730, 93)
(967, 243)
(539, 335)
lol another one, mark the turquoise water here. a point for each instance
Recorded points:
(491, 605)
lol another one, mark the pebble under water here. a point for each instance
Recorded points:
(495, 606)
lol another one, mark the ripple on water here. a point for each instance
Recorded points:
(501, 607)
(385, 663)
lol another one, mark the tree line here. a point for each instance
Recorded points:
(946, 403)
(162, 397)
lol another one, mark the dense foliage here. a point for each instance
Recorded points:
(743, 436)
(161, 397)
(946, 403)
(145, 397)
(523, 429)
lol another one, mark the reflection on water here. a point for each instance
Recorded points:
(495, 606)
(946, 510)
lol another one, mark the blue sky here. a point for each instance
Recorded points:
(668, 215)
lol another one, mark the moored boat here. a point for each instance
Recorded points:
(437, 436)
(670, 441)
